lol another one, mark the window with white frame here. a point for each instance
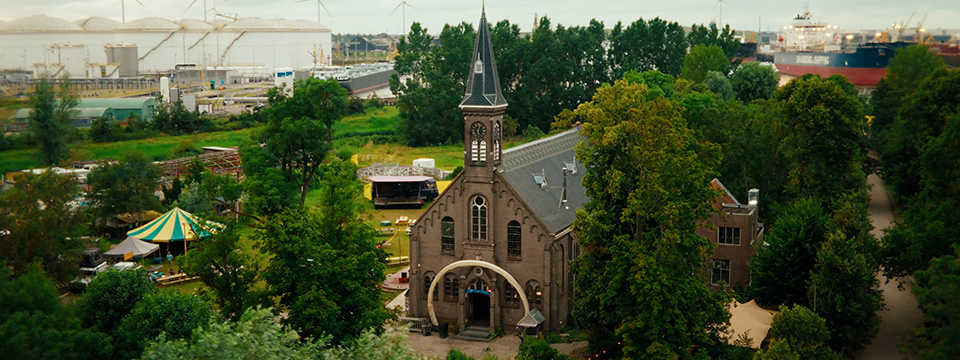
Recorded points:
(721, 272)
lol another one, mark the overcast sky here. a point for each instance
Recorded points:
(373, 16)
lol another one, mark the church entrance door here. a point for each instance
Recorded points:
(478, 308)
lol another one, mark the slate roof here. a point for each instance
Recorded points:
(483, 87)
(547, 157)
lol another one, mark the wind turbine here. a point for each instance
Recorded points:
(123, 10)
(319, 5)
(720, 22)
(405, 5)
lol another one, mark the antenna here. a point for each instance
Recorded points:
(404, 4)
(319, 6)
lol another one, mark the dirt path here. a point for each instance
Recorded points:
(901, 310)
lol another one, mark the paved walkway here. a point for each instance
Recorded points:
(902, 310)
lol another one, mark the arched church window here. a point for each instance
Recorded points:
(451, 287)
(483, 151)
(478, 146)
(496, 143)
(514, 243)
(478, 284)
(427, 279)
(447, 239)
(510, 295)
(479, 219)
(534, 294)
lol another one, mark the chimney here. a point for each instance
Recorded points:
(753, 197)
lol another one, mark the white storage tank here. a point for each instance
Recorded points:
(424, 162)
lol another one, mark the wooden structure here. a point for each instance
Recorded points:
(226, 161)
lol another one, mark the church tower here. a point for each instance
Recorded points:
(482, 108)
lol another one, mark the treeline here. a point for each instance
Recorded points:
(916, 132)
(553, 69)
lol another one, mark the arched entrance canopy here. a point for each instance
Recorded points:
(473, 263)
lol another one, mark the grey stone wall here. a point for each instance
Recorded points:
(399, 170)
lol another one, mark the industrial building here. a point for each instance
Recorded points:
(98, 47)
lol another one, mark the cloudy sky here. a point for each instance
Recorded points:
(373, 16)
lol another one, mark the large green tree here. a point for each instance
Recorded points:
(41, 222)
(430, 82)
(754, 81)
(175, 315)
(229, 274)
(646, 45)
(125, 186)
(110, 297)
(846, 293)
(805, 333)
(938, 291)
(703, 59)
(711, 35)
(325, 266)
(638, 285)
(782, 267)
(34, 325)
(823, 143)
(53, 107)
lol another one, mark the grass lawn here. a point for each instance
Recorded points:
(383, 121)
(157, 148)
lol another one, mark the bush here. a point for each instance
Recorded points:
(455, 354)
(537, 349)
(355, 105)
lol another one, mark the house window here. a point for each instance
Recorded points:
(513, 240)
(479, 219)
(721, 272)
(729, 236)
(451, 288)
(447, 241)
(535, 294)
(510, 295)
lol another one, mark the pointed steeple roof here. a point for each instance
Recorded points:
(483, 84)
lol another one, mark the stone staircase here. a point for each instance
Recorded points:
(475, 333)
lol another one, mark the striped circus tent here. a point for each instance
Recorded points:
(174, 226)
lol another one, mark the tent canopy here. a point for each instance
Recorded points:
(133, 245)
(175, 226)
(749, 318)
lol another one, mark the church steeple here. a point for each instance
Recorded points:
(483, 84)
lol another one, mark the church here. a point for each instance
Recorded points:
(494, 250)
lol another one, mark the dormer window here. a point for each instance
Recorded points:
(478, 66)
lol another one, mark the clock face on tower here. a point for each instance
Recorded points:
(478, 130)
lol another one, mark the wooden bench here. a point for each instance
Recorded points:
(174, 279)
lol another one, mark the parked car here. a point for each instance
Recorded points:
(85, 275)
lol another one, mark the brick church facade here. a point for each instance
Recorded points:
(511, 210)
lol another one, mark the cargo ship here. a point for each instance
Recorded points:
(811, 47)
(358, 78)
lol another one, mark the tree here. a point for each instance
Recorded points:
(754, 81)
(256, 335)
(938, 292)
(34, 325)
(42, 224)
(322, 100)
(777, 350)
(711, 35)
(325, 266)
(173, 314)
(110, 297)
(908, 67)
(53, 107)
(229, 274)
(719, 84)
(648, 191)
(703, 59)
(802, 331)
(430, 82)
(646, 45)
(822, 147)
(538, 349)
(126, 186)
(175, 119)
(782, 268)
(846, 294)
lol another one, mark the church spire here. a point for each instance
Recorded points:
(483, 84)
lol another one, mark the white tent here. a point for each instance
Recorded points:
(139, 248)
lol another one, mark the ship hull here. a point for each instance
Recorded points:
(367, 82)
(863, 67)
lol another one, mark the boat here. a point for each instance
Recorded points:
(811, 47)
(358, 78)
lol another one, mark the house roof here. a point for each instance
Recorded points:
(483, 83)
(545, 159)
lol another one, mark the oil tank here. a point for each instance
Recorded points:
(126, 56)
